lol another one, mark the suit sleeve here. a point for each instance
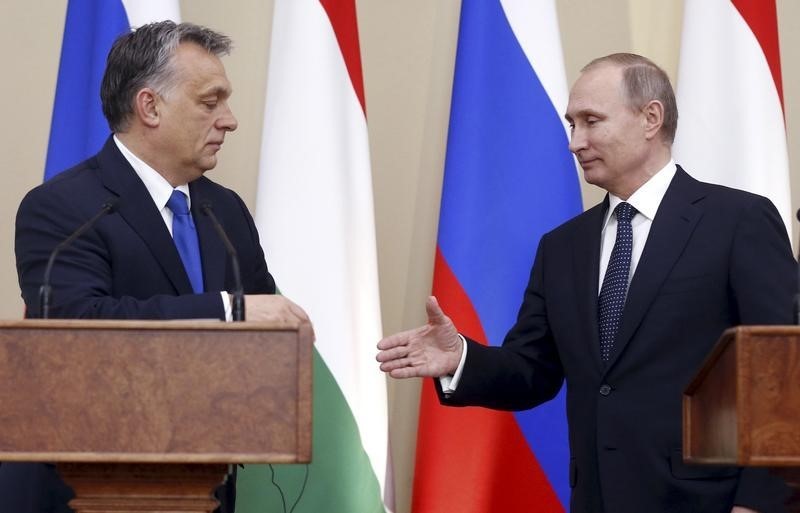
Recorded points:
(526, 371)
(762, 280)
(82, 275)
(763, 274)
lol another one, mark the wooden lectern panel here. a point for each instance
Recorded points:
(142, 487)
(743, 407)
(154, 391)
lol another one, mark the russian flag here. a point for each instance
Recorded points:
(78, 128)
(509, 178)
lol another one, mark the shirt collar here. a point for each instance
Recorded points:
(647, 198)
(158, 187)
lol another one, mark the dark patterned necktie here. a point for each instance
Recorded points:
(615, 282)
(185, 236)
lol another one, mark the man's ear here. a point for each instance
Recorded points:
(146, 107)
(653, 118)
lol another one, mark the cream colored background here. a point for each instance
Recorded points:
(408, 49)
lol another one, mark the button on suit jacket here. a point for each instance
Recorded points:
(715, 258)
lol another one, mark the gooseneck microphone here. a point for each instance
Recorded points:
(797, 293)
(46, 291)
(237, 308)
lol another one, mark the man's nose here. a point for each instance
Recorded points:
(577, 141)
(227, 121)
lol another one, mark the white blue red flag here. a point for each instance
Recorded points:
(78, 128)
(509, 178)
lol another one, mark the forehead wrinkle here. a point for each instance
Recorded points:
(220, 90)
(583, 113)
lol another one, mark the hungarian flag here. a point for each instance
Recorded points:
(509, 178)
(315, 217)
(730, 99)
(78, 129)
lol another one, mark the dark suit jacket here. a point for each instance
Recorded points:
(715, 257)
(127, 266)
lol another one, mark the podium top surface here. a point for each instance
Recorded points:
(155, 391)
(178, 324)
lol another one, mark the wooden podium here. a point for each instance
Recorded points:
(148, 416)
(743, 407)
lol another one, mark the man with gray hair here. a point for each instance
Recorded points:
(155, 256)
(624, 303)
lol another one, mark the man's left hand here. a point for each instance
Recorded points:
(741, 509)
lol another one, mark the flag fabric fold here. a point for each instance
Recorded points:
(78, 128)
(316, 220)
(730, 99)
(509, 178)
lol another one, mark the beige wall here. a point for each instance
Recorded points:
(408, 49)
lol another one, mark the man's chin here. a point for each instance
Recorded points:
(208, 163)
(592, 175)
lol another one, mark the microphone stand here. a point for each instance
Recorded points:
(797, 294)
(237, 306)
(46, 291)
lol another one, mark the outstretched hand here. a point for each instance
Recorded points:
(432, 350)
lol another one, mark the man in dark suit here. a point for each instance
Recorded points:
(624, 303)
(155, 256)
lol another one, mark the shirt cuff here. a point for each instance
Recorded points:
(226, 304)
(449, 383)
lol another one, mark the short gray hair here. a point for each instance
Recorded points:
(644, 81)
(142, 58)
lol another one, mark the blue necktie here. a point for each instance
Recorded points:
(615, 282)
(185, 236)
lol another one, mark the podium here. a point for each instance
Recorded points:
(743, 407)
(148, 415)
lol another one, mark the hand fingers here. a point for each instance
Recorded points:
(291, 308)
(274, 308)
(398, 339)
(434, 311)
(402, 368)
(397, 363)
(298, 312)
(393, 353)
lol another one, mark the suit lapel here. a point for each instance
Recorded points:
(212, 249)
(674, 223)
(586, 270)
(137, 208)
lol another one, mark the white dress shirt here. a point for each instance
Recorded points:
(158, 187)
(646, 200)
(161, 190)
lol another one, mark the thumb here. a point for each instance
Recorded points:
(434, 311)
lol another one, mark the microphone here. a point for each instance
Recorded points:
(237, 308)
(45, 291)
(797, 295)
